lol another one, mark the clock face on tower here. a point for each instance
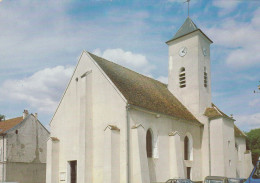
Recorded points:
(204, 50)
(183, 51)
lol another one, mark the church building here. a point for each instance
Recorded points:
(114, 125)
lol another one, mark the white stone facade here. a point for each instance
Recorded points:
(96, 127)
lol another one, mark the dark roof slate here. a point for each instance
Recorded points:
(144, 92)
(187, 27)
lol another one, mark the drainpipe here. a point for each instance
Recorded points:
(209, 147)
(128, 142)
(3, 172)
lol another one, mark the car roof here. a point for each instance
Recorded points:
(215, 177)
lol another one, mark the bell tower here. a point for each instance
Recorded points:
(189, 67)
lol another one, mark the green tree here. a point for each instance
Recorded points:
(2, 117)
(253, 143)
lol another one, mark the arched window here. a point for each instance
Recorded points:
(205, 77)
(188, 147)
(182, 78)
(149, 143)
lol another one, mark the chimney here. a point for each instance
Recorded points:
(25, 113)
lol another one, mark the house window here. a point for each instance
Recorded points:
(229, 162)
(182, 78)
(205, 77)
(149, 143)
(188, 147)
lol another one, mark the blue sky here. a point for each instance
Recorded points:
(40, 42)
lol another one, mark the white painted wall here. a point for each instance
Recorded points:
(244, 161)
(222, 145)
(106, 107)
(161, 127)
(229, 147)
(194, 96)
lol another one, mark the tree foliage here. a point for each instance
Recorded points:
(2, 117)
(253, 143)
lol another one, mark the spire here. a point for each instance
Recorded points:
(188, 27)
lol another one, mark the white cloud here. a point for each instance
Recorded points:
(240, 41)
(44, 33)
(134, 61)
(248, 122)
(42, 90)
(254, 103)
(226, 6)
(163, 79)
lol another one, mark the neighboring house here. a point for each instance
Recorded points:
(115, 125)
(23, 149)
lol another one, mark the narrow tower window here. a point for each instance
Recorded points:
(182, 78)
(149, 143)
(205, 77)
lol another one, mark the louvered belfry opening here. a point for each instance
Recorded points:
(182, 78)
(149, 145)
(186, 148)
(205, 77)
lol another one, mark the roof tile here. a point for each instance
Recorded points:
(10, 123)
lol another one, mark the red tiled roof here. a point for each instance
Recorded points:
(10, 123)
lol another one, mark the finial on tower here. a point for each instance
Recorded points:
(188, 1)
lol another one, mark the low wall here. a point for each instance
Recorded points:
(26, 172)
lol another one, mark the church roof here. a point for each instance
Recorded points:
(6, 125)
(238, 132)
(188, 27)
(144, 92)
(215, 112)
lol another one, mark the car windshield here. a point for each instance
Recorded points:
(179, 181)
(256, 174)
(234, 180)
(213, 181)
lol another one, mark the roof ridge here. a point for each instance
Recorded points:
(127, 68)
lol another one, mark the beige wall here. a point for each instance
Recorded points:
(29, 144)
(24, 152)
(25, 172)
